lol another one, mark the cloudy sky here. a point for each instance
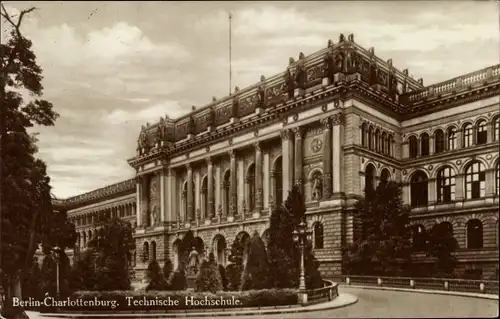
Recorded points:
(111, 67)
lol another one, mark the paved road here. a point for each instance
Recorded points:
(396, 304)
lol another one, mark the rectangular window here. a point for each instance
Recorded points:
(481, 137)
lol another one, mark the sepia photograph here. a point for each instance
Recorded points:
(249, 159)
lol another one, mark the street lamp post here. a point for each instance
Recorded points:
(300, 236)
(57, 253)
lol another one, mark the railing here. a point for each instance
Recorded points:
(326, 293)
(456, 84)
(458, 285)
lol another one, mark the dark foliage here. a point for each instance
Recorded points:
(283, 252)
(384, 244)
(168, 267)
(222, 272)
(208, 278)
(441, 245)
(235, 267)
(156, 280)
(257, 272)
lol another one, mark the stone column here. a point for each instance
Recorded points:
(459, 187)
(490, 182)
(287, 161)
(138, 214)
(298, 132)
(163, 196)
(171, 195)
(145, 200)
(233, 186)
(240, 189)
(218, 196)
(266, 182)
(197, 191)
(327, 158)
(432, 144)
(337, 153)
(210, 189)
(258, 178)
(431, 194)
(190, 200)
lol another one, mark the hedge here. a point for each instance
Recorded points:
(176, 300)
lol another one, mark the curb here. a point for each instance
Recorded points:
(350, 300)
(427, 291)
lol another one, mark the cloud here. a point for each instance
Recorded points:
(151, 114)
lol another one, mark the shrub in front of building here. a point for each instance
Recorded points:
(208, 277)
(235, 267)
(178, 279)
(223, 276)
(156, 280)
(257, 273)
(167, 268)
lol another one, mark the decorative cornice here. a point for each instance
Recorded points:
(124, 187)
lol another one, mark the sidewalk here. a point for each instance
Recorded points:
(344, 299)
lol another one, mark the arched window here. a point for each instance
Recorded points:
(153, 250)
(363, 134)
(385, 175)
(424, 144)
(475, 180)
(468, 135)
(278, 181)
(474, 234)
(251, 187)
(419, 238)
(370, 138)
(496, 128)
(377, 140)
(389, 146)
(145, 252)
(445, 185)
(370, 177)
(419, 189)
(438, 141)
(452, 138)
(385, 143)
(318, 236)
(482, 132)
(226, 188)
(413, 144)
(497, 178)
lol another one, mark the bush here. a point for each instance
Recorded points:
(155, 277)
(167, 269)
(222, 272)
(48, 277)
(117, 299)
(178, 279)
(233, 272)
(257, 273)
(208, 278)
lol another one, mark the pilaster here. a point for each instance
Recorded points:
(490, 182)
(233, 189)
(241, 186)
(190, 192)
(218, 201)
(459, 187)
(258, 178)
(287, 161)
(210, 189)
(197, 190)
(163, 196)
(298, 157)
(171, 195)
(431, 194)
(337, 152)
(327, 158)
(267, 180)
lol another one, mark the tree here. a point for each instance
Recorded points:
(284, 254)
(178, 278)
(31, 281)
(257, 273)
(83, 275)
(442, 245)
(222, 272)
(168, 267)
(235, 267)
(384, 247)
(208, 278)
(25, 190)
(112, 245)
(155, 277)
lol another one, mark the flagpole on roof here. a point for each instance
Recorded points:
(230, 61)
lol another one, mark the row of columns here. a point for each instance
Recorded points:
(92, 217)
(292, 143)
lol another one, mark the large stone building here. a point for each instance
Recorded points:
(334, 122)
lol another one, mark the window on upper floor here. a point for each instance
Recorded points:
(226, 194)
(251, 187)
(385, 144)
(439, 141)
(468, 136)
(445, 185)
(370, 138)
(482, 132)
(385, 176)
(475, 180)
(424, 144)
(451, 139)
(419, 189)
(363, 135)
(377, 140)
(390, 150)
(413, 145)
(278, 181)
(474, 234)
(496, 128)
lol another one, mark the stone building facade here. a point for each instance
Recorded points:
(334, 122)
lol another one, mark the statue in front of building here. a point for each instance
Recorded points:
(194, 261)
